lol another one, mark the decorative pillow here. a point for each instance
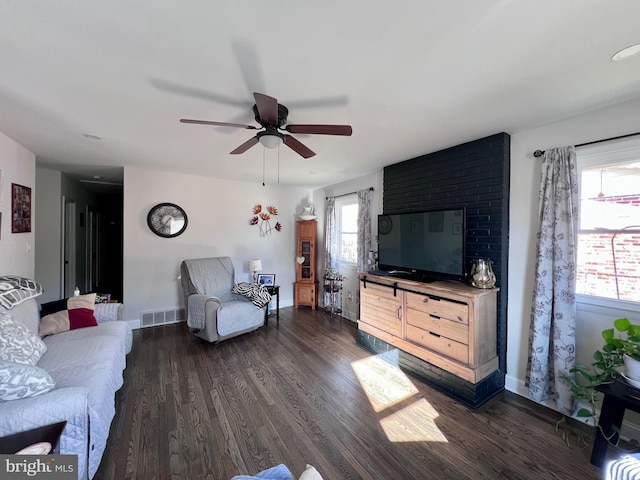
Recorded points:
(258, 293)
(279, 472)
(15, 290)
(310, 473)
(17, 343)
(68, 314)
(22, 381)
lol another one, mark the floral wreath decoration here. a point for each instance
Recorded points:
(262, 219)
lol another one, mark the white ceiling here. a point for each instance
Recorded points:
(411, 77)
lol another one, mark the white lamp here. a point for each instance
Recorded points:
(255, 266)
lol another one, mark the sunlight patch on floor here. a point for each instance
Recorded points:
(415, 423)
(385, 386)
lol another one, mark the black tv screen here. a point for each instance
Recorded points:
(426, 245)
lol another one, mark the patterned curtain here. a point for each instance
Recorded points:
(330, 235)
(364, 228)
(552, 327)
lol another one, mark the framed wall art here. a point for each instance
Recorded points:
(20, 208)
(266, 279)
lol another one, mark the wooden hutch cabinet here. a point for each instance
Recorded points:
(306, 286)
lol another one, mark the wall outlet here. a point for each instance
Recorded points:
(349, 296)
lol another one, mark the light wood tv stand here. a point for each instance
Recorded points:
(448, 324)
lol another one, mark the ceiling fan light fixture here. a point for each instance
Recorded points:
(270, 139)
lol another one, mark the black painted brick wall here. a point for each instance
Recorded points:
(474, 175)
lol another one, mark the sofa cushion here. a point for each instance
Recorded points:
(68, 314)
(238, 316)
(18, 380)
(17, 343)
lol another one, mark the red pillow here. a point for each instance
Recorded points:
(68, 314)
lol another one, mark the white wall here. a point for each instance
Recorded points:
(17, 255)
(218, 214)
(525, 176)
(351, 284)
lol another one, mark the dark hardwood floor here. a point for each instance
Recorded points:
(302, 391)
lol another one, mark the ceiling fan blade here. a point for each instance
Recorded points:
(221, 124)
(245, 146)
(321, 129)
(267, 108)
(186, 90)
(298, 147)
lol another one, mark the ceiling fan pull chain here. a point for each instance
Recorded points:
(278, 164)
(263, 154)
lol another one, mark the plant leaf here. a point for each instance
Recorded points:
(583, 412)
(607, 335)
(622, 324)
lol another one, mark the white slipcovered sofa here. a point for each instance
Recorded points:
(86, 366)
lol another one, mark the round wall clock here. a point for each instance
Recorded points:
(167, 220)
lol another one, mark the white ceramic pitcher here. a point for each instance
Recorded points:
(308, 211)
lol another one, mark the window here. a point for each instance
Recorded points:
(609, 231)
(347, 228)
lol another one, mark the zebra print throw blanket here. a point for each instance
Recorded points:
(257, 293)
(15, 290)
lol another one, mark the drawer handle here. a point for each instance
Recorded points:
(434, 334)
(434, 316)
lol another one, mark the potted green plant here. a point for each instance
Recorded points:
(622, 341)
(627, 342)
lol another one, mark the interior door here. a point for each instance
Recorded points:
(68, 247)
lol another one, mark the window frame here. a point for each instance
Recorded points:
(343, 201)
(602, 154)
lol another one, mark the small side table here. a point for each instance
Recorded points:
(618, 396)
(333, 295)
(17, 441)
(273, 290)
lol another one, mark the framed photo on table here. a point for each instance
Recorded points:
(20, 208)
(267, 279)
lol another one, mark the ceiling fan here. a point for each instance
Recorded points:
(273, 118)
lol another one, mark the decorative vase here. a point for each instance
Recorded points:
(308, 213)
(481, 274)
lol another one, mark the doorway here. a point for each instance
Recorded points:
(68, 267)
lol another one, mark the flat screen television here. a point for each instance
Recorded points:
(426, 246)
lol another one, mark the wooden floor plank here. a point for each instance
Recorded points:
(290, 393)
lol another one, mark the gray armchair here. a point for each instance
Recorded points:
(214, 312)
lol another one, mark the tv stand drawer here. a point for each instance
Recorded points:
(439, 343)
(442, 326)
(439, 307)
